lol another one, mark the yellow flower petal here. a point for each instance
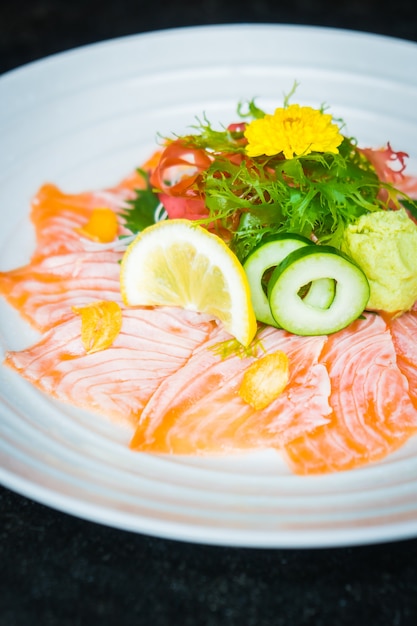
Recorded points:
(100, 324)
(265, 380)
(293, 131)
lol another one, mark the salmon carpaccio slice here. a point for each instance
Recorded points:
(373, 414)
(65, 270)
(116, 382)
(56, 215)
(45, 290)
(404, 333)
(198, 409)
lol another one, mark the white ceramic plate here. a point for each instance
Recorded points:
(85, 118)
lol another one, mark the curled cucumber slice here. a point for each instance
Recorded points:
(262, 258)
(270, 253)
(305, 267)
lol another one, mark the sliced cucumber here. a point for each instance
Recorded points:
(268, 254)
(307, 266)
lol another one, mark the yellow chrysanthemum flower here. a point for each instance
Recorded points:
(294, 131)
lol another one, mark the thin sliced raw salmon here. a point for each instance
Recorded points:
(404, 335)
(45, 290)
(65, 270)
(372, 410)
(57, 215)
(198, 410)
(118, 381)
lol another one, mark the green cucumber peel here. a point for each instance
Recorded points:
(266, 255)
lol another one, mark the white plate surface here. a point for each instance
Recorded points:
(84, 119)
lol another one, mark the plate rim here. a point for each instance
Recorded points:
(174, 31)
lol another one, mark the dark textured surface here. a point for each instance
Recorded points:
(66, 571)
(30, 29)
(60, 570)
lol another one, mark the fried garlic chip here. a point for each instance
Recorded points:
(265, 379)
(100, 324)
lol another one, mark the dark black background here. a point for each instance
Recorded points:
(60, 570)
(30, 29)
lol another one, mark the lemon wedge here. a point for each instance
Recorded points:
(178, 263)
